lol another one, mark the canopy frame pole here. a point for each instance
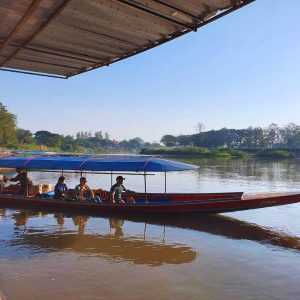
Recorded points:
(165, 182)
(62, 172)
(111, 178)
(145, 184)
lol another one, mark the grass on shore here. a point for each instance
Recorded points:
(269, 153)
(197, 151)
(202, 152)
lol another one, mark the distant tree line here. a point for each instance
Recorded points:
(13, 137)
(273, 136)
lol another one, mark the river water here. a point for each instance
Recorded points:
(243, 255)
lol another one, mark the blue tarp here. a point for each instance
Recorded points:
(134, 164)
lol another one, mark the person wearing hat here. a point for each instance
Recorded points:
(117, 190)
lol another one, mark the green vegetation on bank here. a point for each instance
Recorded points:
(270, 153)
(194, 151)
(201, 152)
(273, 136)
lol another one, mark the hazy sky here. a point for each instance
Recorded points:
(241, 70)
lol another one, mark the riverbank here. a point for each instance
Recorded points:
(222, 153)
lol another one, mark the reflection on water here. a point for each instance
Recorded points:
(113, 245)
(62, 245)
(137, 249)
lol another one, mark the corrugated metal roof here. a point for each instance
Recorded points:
(68, 37)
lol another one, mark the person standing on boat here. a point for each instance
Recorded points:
(24, 181)
(83, 192)
(118, 190)
(61, 189)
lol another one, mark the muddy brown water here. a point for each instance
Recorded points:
(243, 255)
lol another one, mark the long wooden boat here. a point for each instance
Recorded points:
(205, 204)
(149, 203)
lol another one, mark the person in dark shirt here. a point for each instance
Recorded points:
(24, 181)
(118, 191)
(61, 189)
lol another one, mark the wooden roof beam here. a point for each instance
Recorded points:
(179, 10)
(59, 53)
(39, 31)
(157, 14)
(28, 13)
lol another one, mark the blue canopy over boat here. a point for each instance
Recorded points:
(114, 163)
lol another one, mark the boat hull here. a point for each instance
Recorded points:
(204, 206)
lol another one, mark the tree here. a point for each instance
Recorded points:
(24, 136)
(106, 136)
(7, 127)
(290, 135)
(259, 139)
(168, 140)
(199, 127)
(47, 138)
(98, 135)
(273, 134)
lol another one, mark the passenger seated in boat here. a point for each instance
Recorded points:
(61, 189)
(83, 192)
(2, 181)
(24, 181)
(118, 191)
